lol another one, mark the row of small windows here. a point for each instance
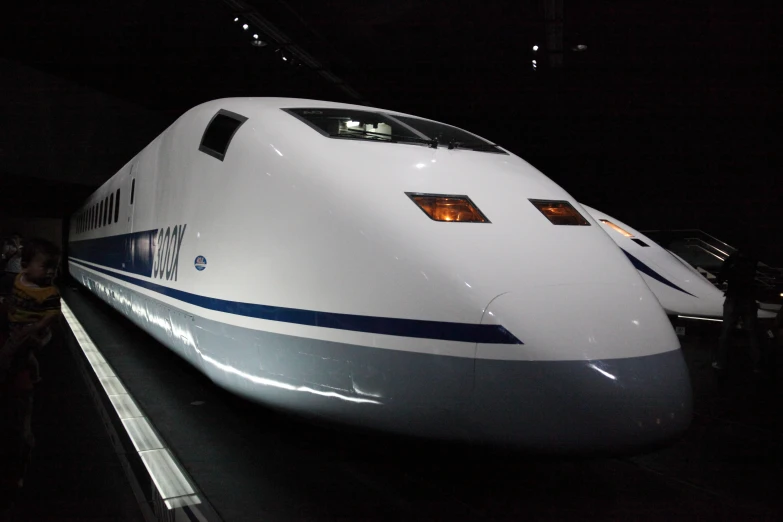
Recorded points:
(100, 214)
(103, 213)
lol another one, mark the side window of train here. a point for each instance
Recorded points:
(105, 210)
(133, 190)
(219, 132)
(117, 207)
(100, 213)
(111, 207)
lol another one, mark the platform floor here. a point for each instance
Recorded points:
(255, 464)
(74, 473)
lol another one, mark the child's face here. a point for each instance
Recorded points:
(41, 269)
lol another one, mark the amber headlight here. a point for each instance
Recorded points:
(559, 212)
(615, 227)
(441, 207)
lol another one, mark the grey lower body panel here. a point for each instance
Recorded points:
(569, 406)
(543, 406)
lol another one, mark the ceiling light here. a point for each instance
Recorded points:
(580, 47)
(259, 43)
(255, 36)
(534, 62)
(535, 48)
(245, 26)
(285, 59)
(236, 19)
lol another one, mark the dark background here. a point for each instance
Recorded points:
(669, 119)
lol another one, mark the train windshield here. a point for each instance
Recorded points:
(449, 136)
(359, 125)
(376, 126)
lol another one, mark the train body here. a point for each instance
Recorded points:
(679, 287)
(383, 270)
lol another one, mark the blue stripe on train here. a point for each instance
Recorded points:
(131, 253)
(646, 270)
(473, 333)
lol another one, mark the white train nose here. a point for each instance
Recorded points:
(600, 368)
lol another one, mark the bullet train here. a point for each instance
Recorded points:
(387, 271)
(679, 287)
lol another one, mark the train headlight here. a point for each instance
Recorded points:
(559, 212)
(440, 207)
(615, 227)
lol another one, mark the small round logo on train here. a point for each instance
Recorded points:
(200, 263)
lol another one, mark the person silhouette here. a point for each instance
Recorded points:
(739, 272)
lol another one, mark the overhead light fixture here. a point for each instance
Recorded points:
(535, 48)
(580, 47)
(285, 59)
(534, 62)
(245, 26)
(259, 43)
(236, 19)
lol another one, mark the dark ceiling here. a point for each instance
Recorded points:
(669, 118)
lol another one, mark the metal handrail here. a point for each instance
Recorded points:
(766, 276)
(710, 253)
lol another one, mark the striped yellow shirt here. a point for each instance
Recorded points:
(31, 303)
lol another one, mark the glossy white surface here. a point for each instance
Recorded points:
(706, 299)
(583, 321)
(294, 219)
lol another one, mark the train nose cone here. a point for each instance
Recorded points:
(609, 377)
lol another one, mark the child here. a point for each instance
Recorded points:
(33, 305)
